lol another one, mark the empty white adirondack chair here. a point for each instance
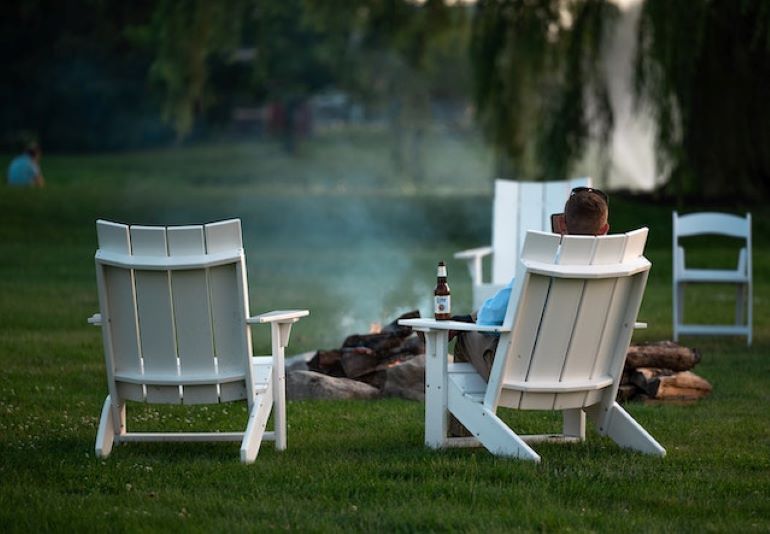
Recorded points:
(518, 207)
(715, 224)
(175, 326)
(562, 347)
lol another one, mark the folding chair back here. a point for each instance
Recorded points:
(721, 224)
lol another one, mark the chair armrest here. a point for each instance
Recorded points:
(432, 324)
(474, 257)
(278, 316)
(95, 319)
(473, 253)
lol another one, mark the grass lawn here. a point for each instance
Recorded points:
(338, 231)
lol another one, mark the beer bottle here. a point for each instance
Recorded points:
(442, 301)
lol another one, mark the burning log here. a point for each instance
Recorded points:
(358, 361)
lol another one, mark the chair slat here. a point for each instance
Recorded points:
(113, 237)
(522, 341)
(194, 334)
(555, 194)
(185, 240)
(610, 250)
(153, 300)
(192, 316)
(554, 338)
(590, 319)
(613, 324)
(530, 211)
(577, 250)
(635, 242)
(588, 330)
(505, 231)
(121, 319)
(223, 235)
(541, 246)
(228, 318)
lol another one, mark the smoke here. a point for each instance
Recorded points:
(361, 247)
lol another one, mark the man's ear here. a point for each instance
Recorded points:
(604, 229)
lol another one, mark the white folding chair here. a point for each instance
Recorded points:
(174, 315)
(710, 223)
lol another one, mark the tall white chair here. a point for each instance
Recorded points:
(175, 319)
(709, 223)
(562, 347)
(518, 207)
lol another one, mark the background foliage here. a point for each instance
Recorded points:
(101, 74)
(703, 68)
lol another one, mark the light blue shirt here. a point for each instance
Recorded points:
(492, 312)
(23, 170)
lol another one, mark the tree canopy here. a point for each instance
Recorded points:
(703, 68)
(101, 74)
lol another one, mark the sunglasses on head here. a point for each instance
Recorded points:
(591, 190)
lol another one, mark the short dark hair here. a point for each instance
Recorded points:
(32, 148)
(585, 213)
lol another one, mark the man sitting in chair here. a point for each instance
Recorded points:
(585, 213)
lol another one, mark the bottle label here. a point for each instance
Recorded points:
(441, 271)
(442, 304)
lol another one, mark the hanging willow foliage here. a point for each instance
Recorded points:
(703, 68)
(183, 36)
(540, 92)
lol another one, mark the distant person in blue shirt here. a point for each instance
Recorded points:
(585, 213)
(24, 169)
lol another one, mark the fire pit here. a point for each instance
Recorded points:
(388, 361)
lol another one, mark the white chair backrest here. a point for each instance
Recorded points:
(576, 308)
(174, 304)
(711, 223)
(522, 206)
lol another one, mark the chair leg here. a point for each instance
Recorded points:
(678, 308)
(619, 426)
(105, 435)
(436, 414)
(489, 429)
(255, 428)
(574, 423)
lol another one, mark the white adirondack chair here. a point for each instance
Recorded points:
(175, 327)
(716, 224)
(562, 347)
(518, 207)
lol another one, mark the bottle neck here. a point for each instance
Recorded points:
(442, 271)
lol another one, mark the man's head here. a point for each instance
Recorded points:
(33, 150)
(585, 212)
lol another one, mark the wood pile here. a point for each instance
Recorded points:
(366, 357)
(661, 371)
